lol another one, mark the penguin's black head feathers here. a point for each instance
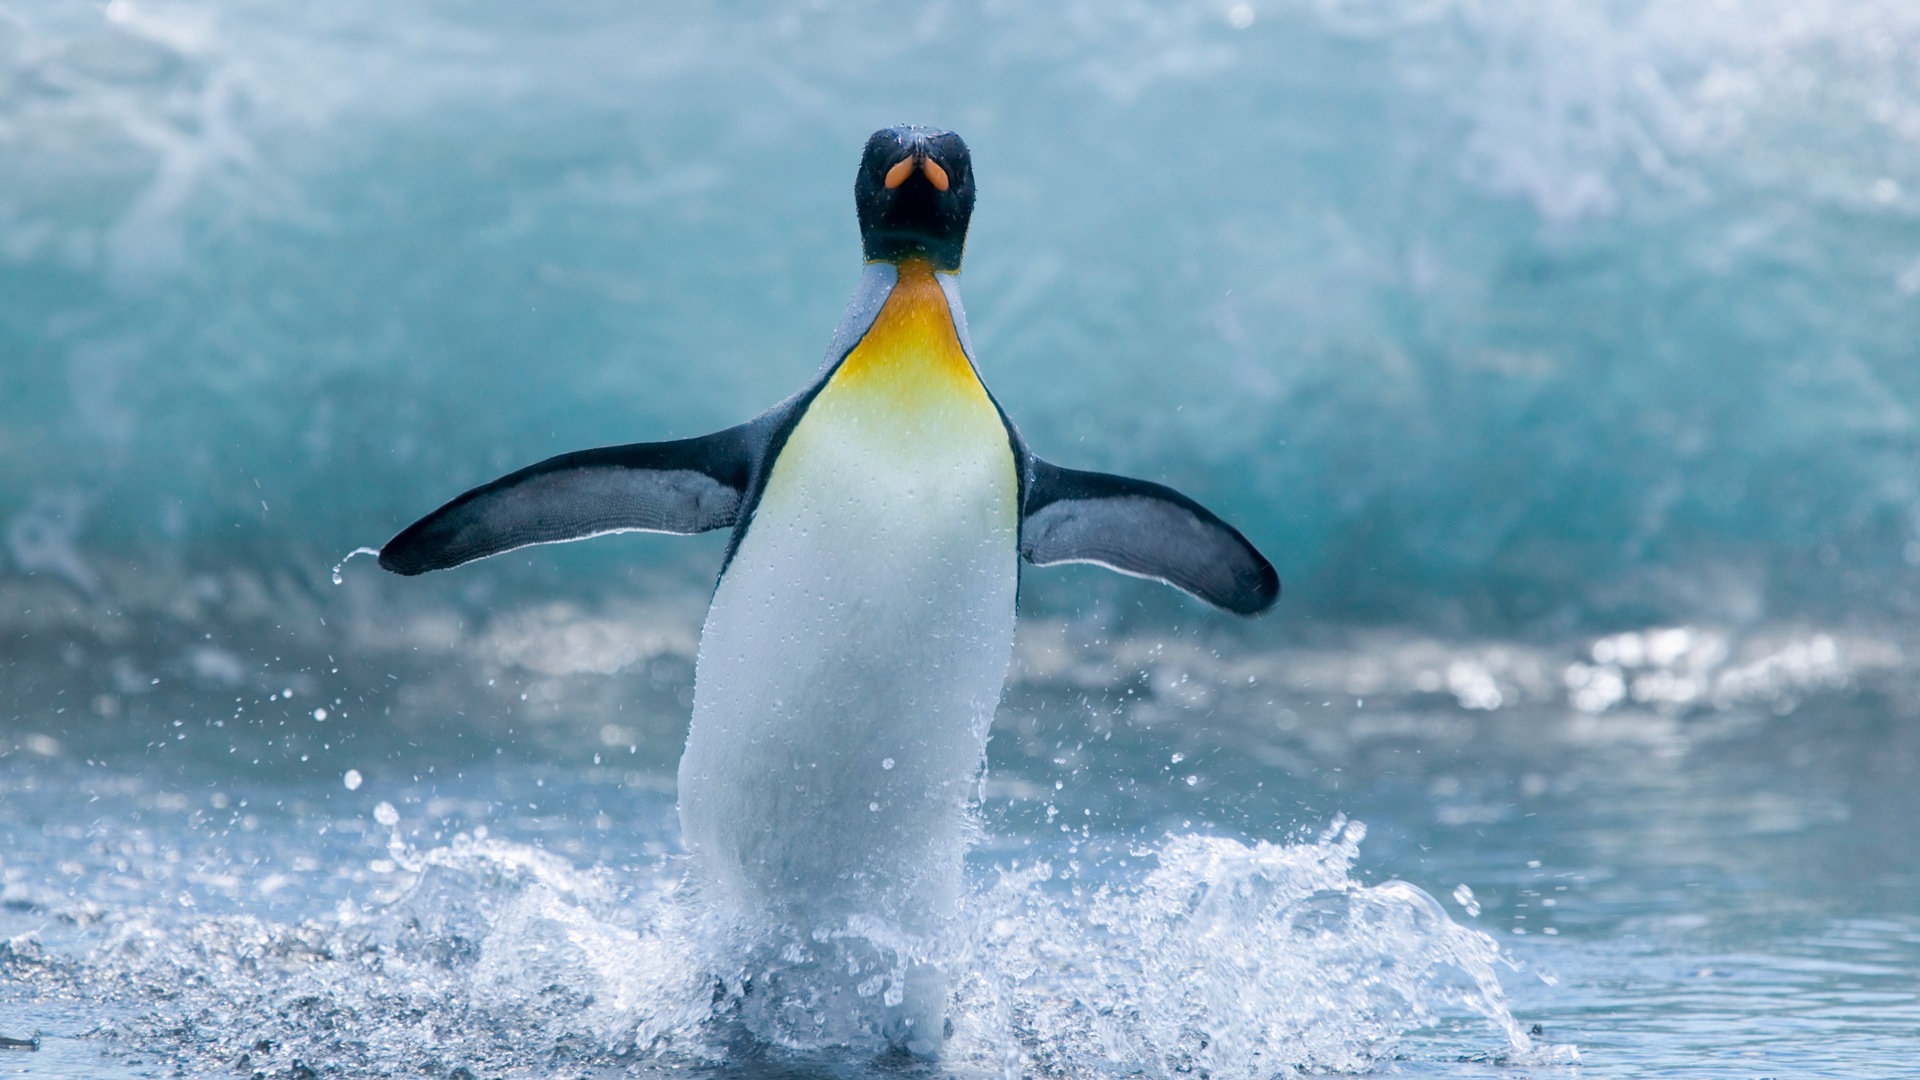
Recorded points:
(914, 192)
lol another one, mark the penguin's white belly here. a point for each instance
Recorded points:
(851, 663)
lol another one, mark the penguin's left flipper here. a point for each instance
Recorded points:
(1146, 530)
(685, 486)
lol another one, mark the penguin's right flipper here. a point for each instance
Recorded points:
(1146, 530)
(685, 486)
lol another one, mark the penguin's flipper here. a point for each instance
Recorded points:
(685, 486)
(1146, 530)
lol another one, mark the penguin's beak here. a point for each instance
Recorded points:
(906, 166)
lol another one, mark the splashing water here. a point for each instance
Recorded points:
(339, 568)
(1225, 959)
(1229, 960)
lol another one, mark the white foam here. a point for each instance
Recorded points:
(1224, 958)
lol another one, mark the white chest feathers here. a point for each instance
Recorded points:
(857, 644)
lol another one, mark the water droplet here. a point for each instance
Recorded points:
(352, 779)
(1464, 897)
(319, 714)
(340, 578)
(886, 763)
(385, 814)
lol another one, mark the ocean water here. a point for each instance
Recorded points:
(1561, 355)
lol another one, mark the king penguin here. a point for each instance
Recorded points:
(859, 635)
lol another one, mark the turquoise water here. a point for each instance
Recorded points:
(1560, 355)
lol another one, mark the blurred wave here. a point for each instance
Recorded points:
(1499, 311)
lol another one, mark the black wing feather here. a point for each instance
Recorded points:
(1144, 529)
(684, 486)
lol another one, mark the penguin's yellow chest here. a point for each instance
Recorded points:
(909, 374)
(903, 439)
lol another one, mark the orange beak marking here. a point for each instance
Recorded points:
(899, 173)
(935, 174)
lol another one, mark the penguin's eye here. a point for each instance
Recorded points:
(900, 171)
(935, 174)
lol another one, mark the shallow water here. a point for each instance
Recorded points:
(1712, 874)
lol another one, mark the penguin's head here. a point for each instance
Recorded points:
(914, 192)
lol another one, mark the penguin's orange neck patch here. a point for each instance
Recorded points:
(912, 353)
